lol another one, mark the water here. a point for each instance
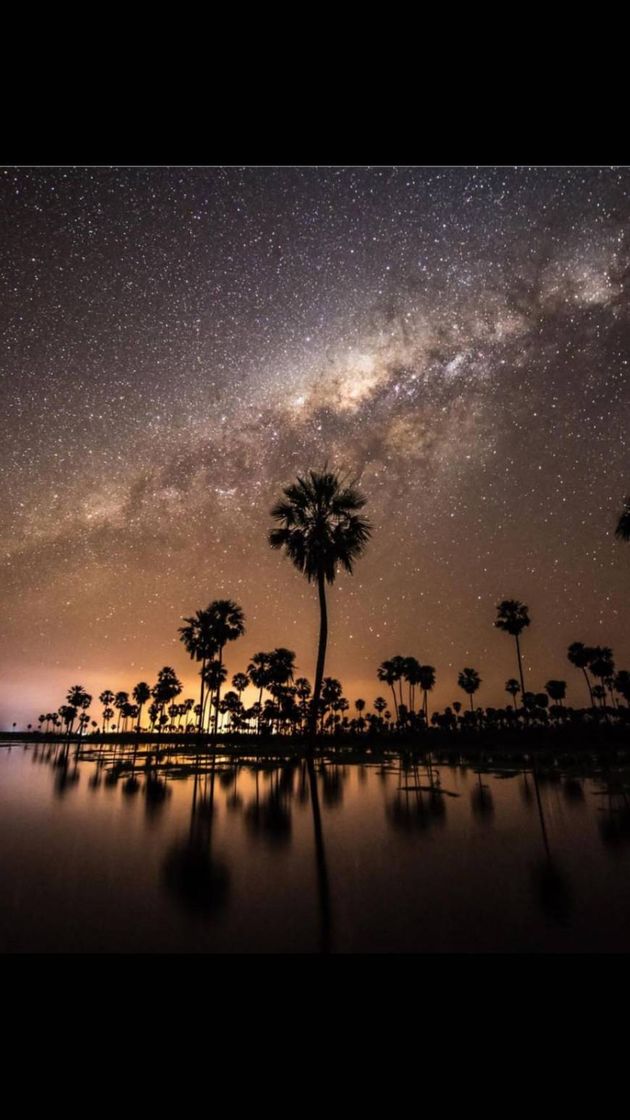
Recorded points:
(248, 860)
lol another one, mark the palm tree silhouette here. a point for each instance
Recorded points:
(513, 687)
(581, 656)
(387, 674)
(199, 640)
(469, 681)
(513, 618)
(320, 529)
(623, 525)
(426, 681)
(141, 694)
(622, 684)
(227, 623)
(106, 699)
(557, 690)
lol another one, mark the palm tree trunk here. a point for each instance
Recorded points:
(520, 667)
(471, 703)
(203, 670)
(321, 654)
(589, 686)
(395, 701)
(218, 694)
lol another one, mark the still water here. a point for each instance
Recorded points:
(381, 856)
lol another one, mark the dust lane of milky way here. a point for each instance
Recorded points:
(177, 344)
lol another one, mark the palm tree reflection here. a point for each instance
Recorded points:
(197, 881)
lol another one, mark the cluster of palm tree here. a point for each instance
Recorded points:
(321, 529)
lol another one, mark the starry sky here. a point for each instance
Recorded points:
(176, 344)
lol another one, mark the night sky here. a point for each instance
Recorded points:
(177, 344)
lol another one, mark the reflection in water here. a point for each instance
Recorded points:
(481, 800)
(552, 889)
(194, 878)
(614, 816)
(409, 810)
(282, 820)
(323, 887)
(552, 892)
(270, 817)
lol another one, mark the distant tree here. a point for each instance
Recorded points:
(386, 673)
(427, 682)
(602, 664)
(167, 688)
(106, 699)
(581, 656)
(141, 694)
(120, 699)
(412, 669)
(320, 529)
(199, 638)
(513, 617)
(622, 684)
(557, 690)
(469, 681)
(513, 687)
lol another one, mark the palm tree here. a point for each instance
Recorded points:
(602, 664)
(581, 656)
(427, 681)
(227, 623)
(513, 618)
(198, 637)
(513, 687)
(557, 690)
(106, 699)
(281, 666)
(167, 688)
(240, 682)
(623, 525)
(214, 676)
(469, 681)
(387, 674)
(412, 671)
(320, 530)
(78, 698)
(622, 684)
(120, 699)
(141, 694)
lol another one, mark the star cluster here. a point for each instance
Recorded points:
(176, 344)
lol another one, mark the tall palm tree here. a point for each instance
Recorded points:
(227, 623)
(215, 675)
(513, 617)
(412, 676)
(581, 656)
(78, 698)
(106, 699)
(387, 674)
(602, 664)
(427, 681)
(120, 699)
(469, 681)
(320, 529)
(623, 525)
(167, 688)
(141, 694)
(199, 640)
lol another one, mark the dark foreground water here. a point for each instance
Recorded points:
(252, 858)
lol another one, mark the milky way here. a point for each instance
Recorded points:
(177, 344)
